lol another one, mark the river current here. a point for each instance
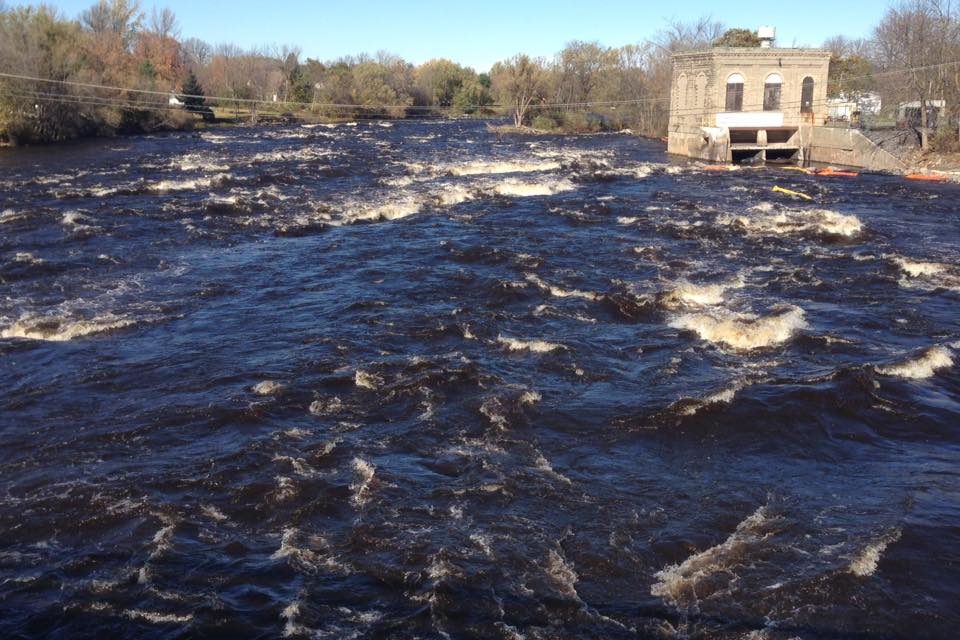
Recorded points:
(414, 380)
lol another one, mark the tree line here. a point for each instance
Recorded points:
(587, 86)
(912, 55)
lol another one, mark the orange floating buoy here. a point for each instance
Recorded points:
(716, 167)
(830, 172)
(925, 177)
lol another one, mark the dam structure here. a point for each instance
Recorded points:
(765, 103)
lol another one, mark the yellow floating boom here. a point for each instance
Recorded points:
(779, 189)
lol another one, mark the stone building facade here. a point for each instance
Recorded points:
(731, 103)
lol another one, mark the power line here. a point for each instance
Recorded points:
(383, 108)
(334, 105)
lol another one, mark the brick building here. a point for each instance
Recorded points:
(735, 103)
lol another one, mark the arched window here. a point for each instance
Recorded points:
(734, 93)
(771, 92)
(806, 96)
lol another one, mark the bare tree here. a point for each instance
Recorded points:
(910, 40)
(196, 52)
(164, 23)
(519, 81)
(289, 59)
(121, 17)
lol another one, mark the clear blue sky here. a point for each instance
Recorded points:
(478, 34)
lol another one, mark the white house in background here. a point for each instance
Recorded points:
(175, 101)
(845, 108)
(908, 113)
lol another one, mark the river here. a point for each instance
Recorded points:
(415, 380)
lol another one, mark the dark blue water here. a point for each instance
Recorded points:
(418, 381)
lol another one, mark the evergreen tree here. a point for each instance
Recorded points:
(192, 95)
(738, 38)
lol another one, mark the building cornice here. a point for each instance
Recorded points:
(754, 53)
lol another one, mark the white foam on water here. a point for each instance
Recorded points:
(326, 406)
(561, 293)
(166, 186)
(924, 366)
(312, 552)
(215, 138)
(366, 380)
(765, 219)
(162, 538)
(743, 330)
(524, 189)
(865, 563)
(161, 544)
(509, 632)
(156, 617)
(9, 215)
(402, 181)
(454, 194)
(530, 397)
(498, 167)
(686, 293)
(213, 513)
(54, 328)
(268, 388)
(301, 154)
(288, 547)
(390, 210)
(286, 489)
(76, 219)
(536, 346)
(290, 627)
(492, 408)
(562, 574)
(573, 155)
(677, 584)
(543, 465)
(925, 275)
(724, 396)
(363, 473)
(483, 542)
(28, 258)
(299, 465)
(916, 269)
(197, 161)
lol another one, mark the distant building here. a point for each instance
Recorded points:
(734, 103)
(175, 101)
(841, 109)
(849, 108)
(908, 113)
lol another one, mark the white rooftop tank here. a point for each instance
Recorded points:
(767, 35)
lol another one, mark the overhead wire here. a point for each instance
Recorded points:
(385, 109)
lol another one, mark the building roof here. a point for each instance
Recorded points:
(758, 52)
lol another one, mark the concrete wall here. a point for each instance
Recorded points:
(849, 147)
(710, 144)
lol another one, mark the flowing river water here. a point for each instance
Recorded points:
(413, 380)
